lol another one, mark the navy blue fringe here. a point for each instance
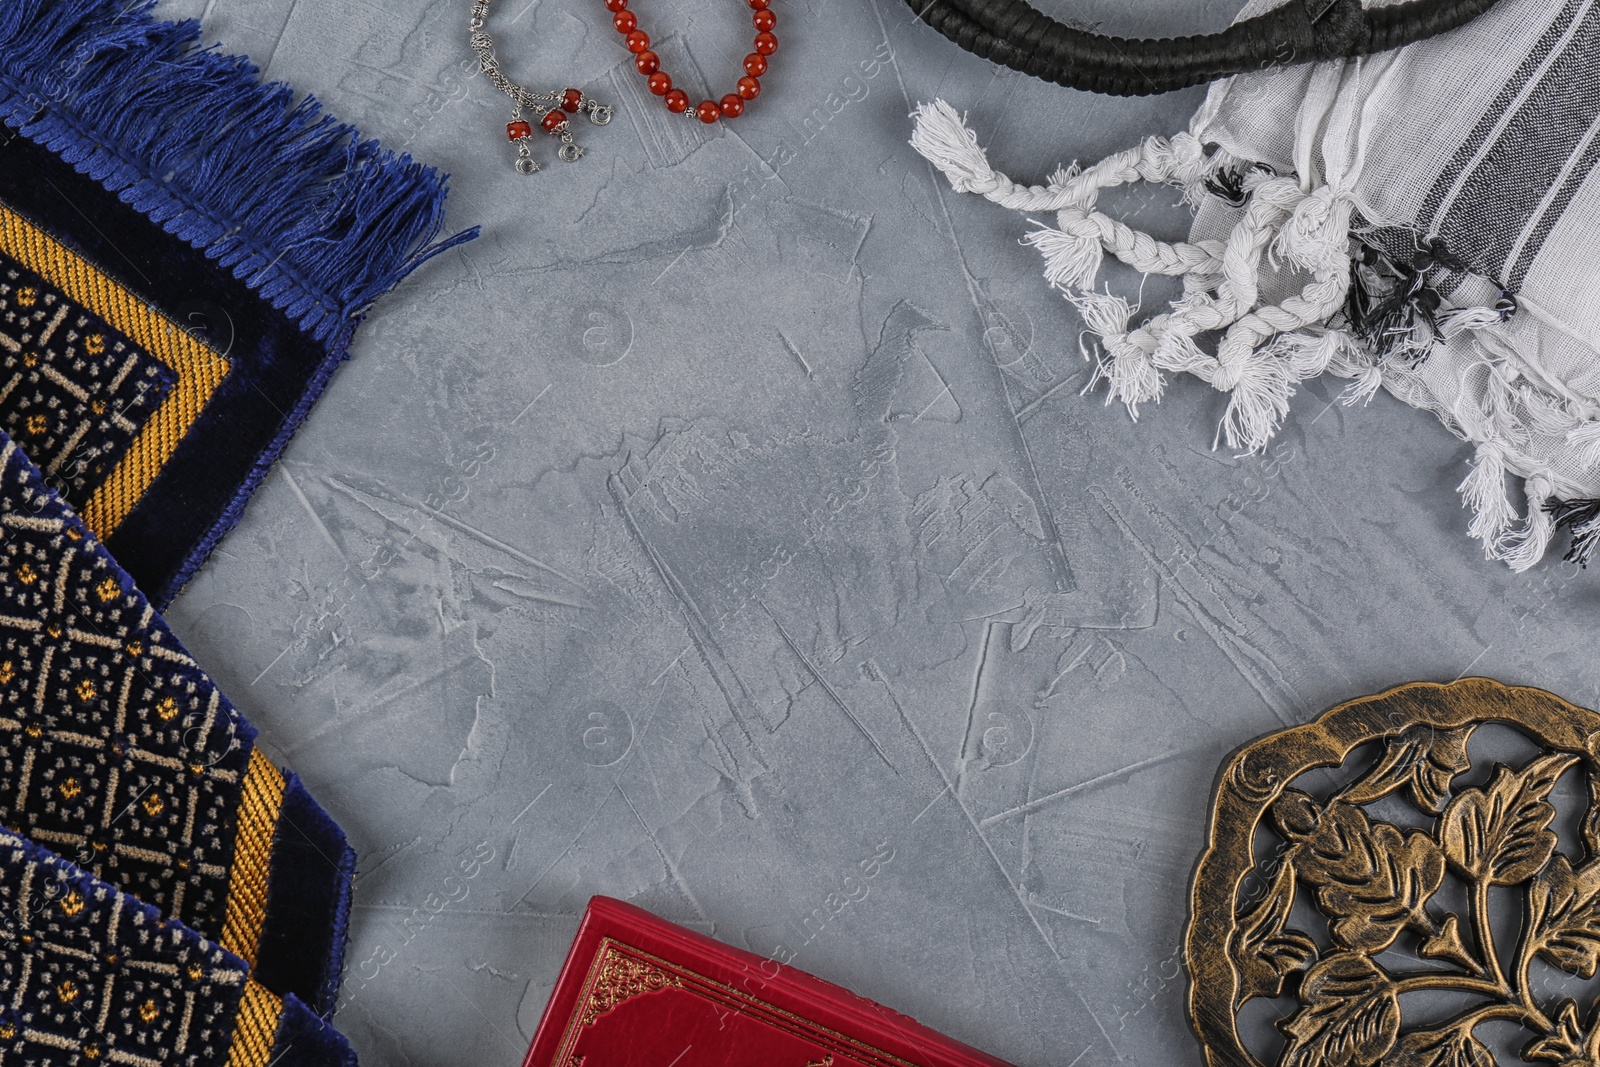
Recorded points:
(295, 204)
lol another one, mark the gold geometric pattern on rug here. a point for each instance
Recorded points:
(198, 368)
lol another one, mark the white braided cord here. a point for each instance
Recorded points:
(1265, 350)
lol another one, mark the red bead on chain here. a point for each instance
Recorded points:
(648, 63)
(552, 112)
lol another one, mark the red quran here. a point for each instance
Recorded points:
(640, 992)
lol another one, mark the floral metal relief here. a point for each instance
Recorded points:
(1382, 925)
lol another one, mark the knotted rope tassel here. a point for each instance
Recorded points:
(1265, 349)
(1222, 278)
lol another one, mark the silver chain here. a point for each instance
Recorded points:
(523, 97)
(483, 44)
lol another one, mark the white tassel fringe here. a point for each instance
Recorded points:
(1266, 349)
(1070, 262)
(942, 137)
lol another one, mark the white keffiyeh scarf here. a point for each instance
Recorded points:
(1425, 220)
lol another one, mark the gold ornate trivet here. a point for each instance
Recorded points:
(1404, 902)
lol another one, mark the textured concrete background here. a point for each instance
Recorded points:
(724, 531)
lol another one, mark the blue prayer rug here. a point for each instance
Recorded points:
(122, 758)
(185, 251)
(93, 974)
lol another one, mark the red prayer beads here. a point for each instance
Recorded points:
(554, 120)
(648, 63)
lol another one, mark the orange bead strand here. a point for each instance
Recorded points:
(707, 111)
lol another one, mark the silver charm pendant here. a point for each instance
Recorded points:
(526, 164)
(555, 109)
(555, 119)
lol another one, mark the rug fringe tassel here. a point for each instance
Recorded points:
(295, 204)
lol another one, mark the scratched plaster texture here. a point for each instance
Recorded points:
(727, 519)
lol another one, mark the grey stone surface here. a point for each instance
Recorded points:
(728, 513)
